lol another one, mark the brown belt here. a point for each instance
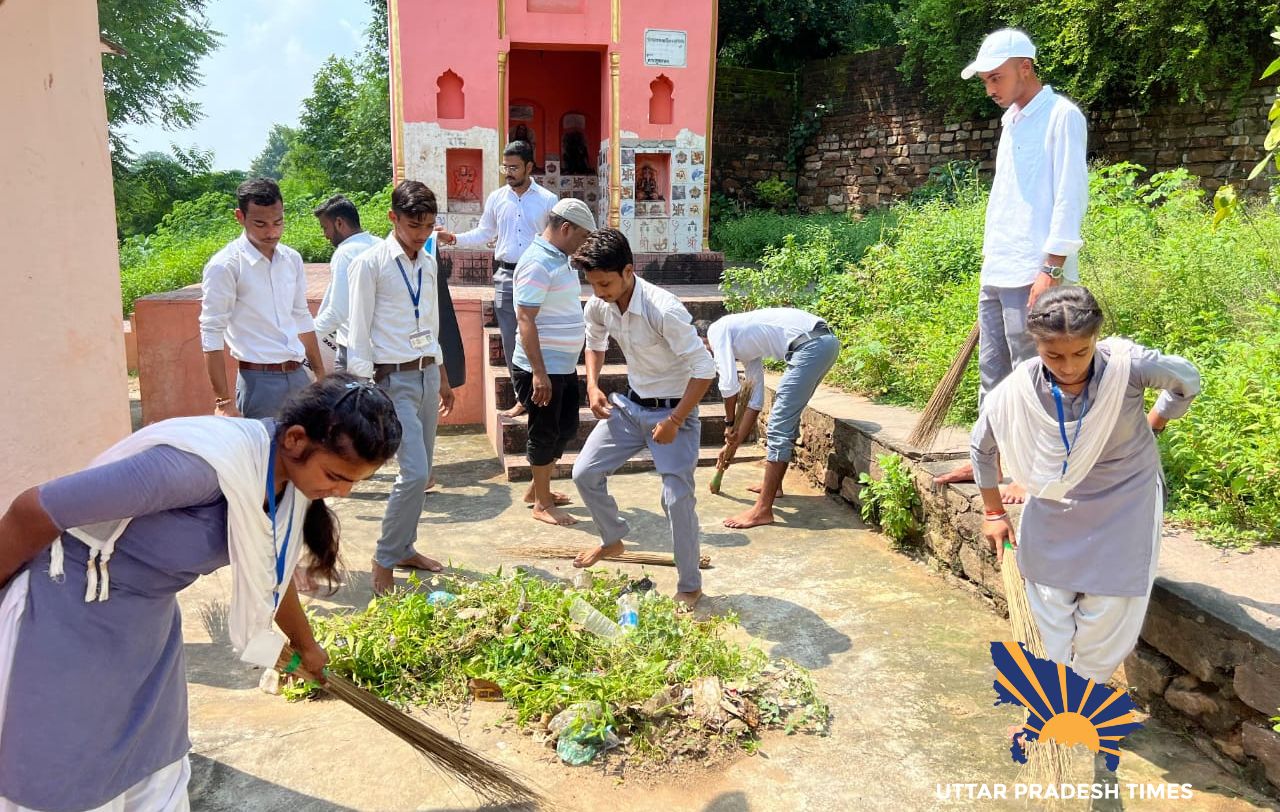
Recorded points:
(381, 371)
(287, 366)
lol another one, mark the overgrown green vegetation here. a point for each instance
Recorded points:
(515, 631)
(1166, 277)
(193, 231)
(889, 501)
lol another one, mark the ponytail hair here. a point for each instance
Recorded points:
(353, 419)
(1066, 311)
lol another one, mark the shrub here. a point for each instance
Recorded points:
(776, 193)
(890, 500)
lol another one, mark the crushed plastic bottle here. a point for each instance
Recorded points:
(595, 622)
(440, 597)
(629, 611)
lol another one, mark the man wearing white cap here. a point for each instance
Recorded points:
(550, 336)
(1035, 211)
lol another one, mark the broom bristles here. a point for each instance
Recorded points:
(628, 557)
(489, 781)
(739, 409)
(935, 412)
(1047, 761)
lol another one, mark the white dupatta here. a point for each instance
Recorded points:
(1030, 440)
(238, 450)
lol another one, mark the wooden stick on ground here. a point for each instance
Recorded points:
(629, 557)
(491, 782)
(930, 422)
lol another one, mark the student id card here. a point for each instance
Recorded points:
(420, 339)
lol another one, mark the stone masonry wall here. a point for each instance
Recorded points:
(881, 137)
(751, 126)
(1192, 667)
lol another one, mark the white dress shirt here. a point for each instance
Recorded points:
(254, 307)
(657, 336)
(514, 220)
(382, 312)
(1039, 194)
(752, 337)
(332, 317)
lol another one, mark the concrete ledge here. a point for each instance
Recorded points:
(1209, 656)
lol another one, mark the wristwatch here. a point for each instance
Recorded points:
(1054, 271)
(728, 422)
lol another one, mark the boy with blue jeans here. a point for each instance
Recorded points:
(809, 349)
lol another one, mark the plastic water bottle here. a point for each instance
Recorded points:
(593, 620)
(629, 612)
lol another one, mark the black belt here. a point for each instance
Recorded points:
(820, 329)
(506, 266)
(652, 403)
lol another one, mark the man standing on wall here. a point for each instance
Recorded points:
(341, 223)
(549, 312)
(254, 301)
(1034, 215)
(668, 372)
(394, 336)
(513, 215)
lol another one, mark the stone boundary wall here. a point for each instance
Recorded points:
(1196, 666)
(881, 136)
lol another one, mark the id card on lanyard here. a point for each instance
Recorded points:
(263, 649)
(419, 339)
(1058, 489)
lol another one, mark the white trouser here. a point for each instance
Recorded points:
(165, 790)
(1092, 634)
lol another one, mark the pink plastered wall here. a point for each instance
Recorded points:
(66, 390)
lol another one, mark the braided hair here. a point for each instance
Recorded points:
(352, 419)
(1066, 311)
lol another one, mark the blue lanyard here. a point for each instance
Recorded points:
(281, 551)
(414, 297)
(1062, 422)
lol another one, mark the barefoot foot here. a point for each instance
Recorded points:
(590, 557)
(556, 496)
(431, 483)
(384, 579)
(685, 601)
(514, 411)
(962, 473)
(553, 515)
(760, 487)
(418, 561)
(751, 517)
(1013, 494)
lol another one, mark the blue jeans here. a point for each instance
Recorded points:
(806, 368)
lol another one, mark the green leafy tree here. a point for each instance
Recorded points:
(163, 42)
(269, 162)
(149, 185)
(783, 34)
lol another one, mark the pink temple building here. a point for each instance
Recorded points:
(615, 98)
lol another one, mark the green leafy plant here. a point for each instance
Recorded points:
(776, 194)
(890, 501)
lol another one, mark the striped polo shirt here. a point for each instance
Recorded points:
(544, 279)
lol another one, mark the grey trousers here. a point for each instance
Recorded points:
(504, 309)
(1003, 341)
(416, 396)
(628, 430)
(261, 394)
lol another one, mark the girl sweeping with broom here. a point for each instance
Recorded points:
(1071, 423)
(93, 701)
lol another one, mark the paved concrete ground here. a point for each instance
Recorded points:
(899, 651)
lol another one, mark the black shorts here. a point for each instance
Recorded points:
(553, 426)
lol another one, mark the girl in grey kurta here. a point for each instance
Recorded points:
(95, 707)
(1089, 554)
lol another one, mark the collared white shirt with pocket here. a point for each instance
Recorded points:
(752, 337)
(255, 307)
(382, 319)
(332, 316)
(514, 220)
(657, 336)
(1039, 194)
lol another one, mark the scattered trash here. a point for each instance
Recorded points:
(269, 682)
(593, 621)
(584, 580)
(583, 715)
(485, 690)
(440, 598)
(629, 611)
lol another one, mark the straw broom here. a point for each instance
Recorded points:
(491, 782)
(1047, 761)
(930, 422)
(740, 408)
(628, 557)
